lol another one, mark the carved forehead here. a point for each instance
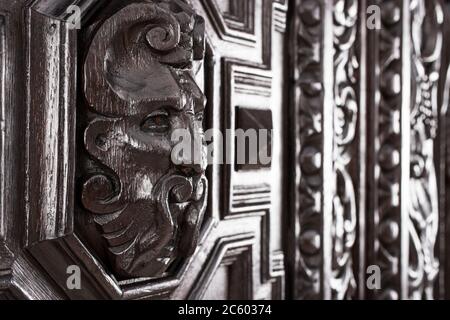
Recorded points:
(138, 54)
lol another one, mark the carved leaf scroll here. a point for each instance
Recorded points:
(426, 39)
(387, 172)
(343, 283)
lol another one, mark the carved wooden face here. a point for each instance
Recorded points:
(141, 84)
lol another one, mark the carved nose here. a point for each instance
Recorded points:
(193, 160)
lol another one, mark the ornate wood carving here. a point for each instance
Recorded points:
(385, 172)
(426, 40)
(327, 148)
(113, 157)
(443, 149)
(6, 255)
(234, 19)
(346, 109)
(254, 119)
(51, 64)
(148, 209)
(308, 28)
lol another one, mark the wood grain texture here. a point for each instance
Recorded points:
(84, 236)
(359, 150)
(51, 64)
(309, 120)
(347, 107)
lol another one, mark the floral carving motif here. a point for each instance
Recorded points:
(343, 230)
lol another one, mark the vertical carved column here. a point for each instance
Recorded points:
(142, 199)
(365, 158)
(325, 106)
(426, 40)
(385, 144)
(307, 106)
(50, 140)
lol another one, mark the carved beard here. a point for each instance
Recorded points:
(140, 57)
(145, 236)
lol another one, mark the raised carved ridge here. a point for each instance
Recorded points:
(2, 129)
(51, 55)
(325, 136)
(233, 252)
(386, 176)
(308, 108)
(239, 28)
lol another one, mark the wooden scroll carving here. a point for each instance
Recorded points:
(344, 224)
(138, 82)
(325, 34)
(426, 40)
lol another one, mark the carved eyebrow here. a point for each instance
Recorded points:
(148, 106)
(188, 94)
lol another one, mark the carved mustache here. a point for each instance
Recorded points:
(181, 203)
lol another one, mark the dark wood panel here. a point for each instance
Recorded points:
(356, 116)
(95, 150)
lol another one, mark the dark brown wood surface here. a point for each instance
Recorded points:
(97, 187)
(359, 167)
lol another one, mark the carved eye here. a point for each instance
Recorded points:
(157, 122)
(199, 116)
